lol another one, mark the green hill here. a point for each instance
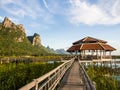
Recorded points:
(13, 41)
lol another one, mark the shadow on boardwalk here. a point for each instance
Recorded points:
(72, 79)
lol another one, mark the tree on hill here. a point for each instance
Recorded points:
(13, 41)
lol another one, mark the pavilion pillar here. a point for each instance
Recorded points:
(105, 53)
(81, 54)
(84, 54)
(76, 52)
(92, 54)
(110, 55)
(101, 54)
(97, 54)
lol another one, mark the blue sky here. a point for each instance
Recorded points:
(61, 22)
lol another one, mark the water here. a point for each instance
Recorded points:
(117, 65)
(52, 62)
(114, 65)
(116, 77)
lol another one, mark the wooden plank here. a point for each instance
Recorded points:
(72, 79)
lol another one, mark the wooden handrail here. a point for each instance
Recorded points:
(88, 83)
(53, 76)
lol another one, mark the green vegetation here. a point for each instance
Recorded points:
(9, 45)
(14, 76)
(116, 57)
(101, 75)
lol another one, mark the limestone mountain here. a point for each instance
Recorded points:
(13, 40)
(35, 39)
(11, 27)
(7, 23)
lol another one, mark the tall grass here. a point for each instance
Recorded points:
(14, 76)
(102, 77)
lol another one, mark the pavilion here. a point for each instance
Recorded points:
(90, 48)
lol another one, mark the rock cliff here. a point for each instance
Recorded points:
(12, 27)
(35, 39)
(13, 41)
(7, 23)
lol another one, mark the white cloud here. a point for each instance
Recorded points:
(81, 11)
(46, 5)
(22, 8)
(51, 6)
(58, 7)
(106, 12)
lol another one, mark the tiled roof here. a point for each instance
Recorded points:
(108, 47)
(90, 43)
(74, 48)
(89, 40)
(91, 46)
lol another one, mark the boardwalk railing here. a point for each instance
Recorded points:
(50, 80)
(89, 85)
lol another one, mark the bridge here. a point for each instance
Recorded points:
(68, 76)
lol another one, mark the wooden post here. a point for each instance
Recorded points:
(110, 54)
(8, 60)
(97, 54)
(91, 54)
(105, 53)
(36, 84)
(101, 54)
(81, 54)
(76, 52)
(84, 54)
(49, 82)
(1, 61)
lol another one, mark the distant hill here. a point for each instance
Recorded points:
(50, 49)
(57, 51)
(61, 51)
(13, 41)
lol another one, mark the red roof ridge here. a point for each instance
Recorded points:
(101, 45)
(81, 46)
(89, 39)
(85, 38)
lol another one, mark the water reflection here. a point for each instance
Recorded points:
(52, 62)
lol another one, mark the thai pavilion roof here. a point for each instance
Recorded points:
(90, 43)
(89, 40)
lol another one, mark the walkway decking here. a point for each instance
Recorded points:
(72, 79)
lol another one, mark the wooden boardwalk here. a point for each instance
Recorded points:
(72, 79)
